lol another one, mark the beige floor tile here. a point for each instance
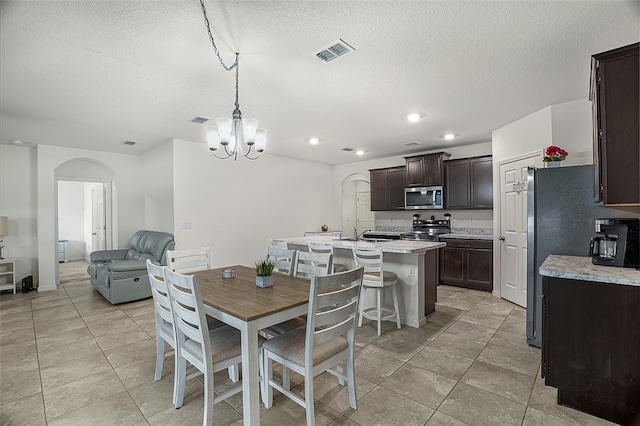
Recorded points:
(51, 315)
(68, 352)
(366, 334)
(25, 411)
(478, 407)
(507, 383)
(505, 338)
(328, 391)
(441, 419)
(543, 398)
(457, 344)
(472, 331)
(522, 360)
(484, 317)
(514, 325)
(384, 407)
(457, 303)
(112, 341)
(442, 362)
(64, 338)
(495, 306)
(54, 327)
(72, 370)
(71, 396)
(24, 337)
(118, 409)
(112, 326)
(45, 303)
(110, 315)
(191, 413)
(22, 362)
(444, 315)
(142, 371)
(156, 396)
(17, 322)
(19, 382)
(535, 417)
(286, 412)
(400, 349)
(127, 354)
(374, 366)
(421, 385)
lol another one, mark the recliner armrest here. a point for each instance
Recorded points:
(127, 265)
(108, 255)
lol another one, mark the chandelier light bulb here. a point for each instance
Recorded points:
(224, 129)
(250, 127)
(261, 139)
(213, 139)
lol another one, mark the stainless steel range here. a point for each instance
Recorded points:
(427, 230)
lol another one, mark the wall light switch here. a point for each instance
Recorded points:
(470, 221)
(186, 225)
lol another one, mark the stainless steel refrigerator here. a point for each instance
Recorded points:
(561, 214)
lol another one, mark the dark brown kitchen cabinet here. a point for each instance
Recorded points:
(591, 346)
(469, 183)
(467, 263)
(425, 170)
(387, 189)
(616, 140)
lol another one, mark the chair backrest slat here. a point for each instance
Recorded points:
(283, 259)
(312, 264)
(333, 304)
(160, 293)
(189, 260)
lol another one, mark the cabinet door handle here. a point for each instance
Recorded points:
(501, 238)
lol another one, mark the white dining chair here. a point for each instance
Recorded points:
(282, 259)
(377, 279)
(209, 351)
(327, 248)
(165, 330)
(189, 260)
(327, 341)
(307, 265)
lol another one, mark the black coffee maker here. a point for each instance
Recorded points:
(617, 243)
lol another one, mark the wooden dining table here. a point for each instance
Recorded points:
(241, 304)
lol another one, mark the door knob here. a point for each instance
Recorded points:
(501, 238)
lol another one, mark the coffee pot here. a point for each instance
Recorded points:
(616, 243)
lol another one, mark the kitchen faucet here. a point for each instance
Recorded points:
(355, 233)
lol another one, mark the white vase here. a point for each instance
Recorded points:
(264, 282)
(552, 164)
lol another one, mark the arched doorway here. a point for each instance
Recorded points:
(356, 205)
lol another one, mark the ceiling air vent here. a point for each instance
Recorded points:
(411, 143)
(347, 149)
(334, 51)
(130, 143)
(200, 120)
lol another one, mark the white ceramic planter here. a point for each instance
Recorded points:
(264, 282)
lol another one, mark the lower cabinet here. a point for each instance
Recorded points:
(591, 346)
(467, 263)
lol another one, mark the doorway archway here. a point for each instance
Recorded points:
(355, 204)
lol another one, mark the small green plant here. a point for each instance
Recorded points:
(264, 268)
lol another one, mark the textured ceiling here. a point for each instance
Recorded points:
(91, 74)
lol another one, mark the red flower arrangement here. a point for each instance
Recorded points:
(554, 153)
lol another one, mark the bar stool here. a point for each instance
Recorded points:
(376, 278)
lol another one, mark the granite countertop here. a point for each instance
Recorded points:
(389, 246)
(581, 268)
(464, 236)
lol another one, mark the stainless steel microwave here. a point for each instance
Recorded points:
(423, 198)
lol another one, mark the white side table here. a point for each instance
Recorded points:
(8, 274)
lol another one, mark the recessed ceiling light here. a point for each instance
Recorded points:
(130, 143)
(17, 142)
(449, 136)
(314, 141)
(413, 117)
(359, 152)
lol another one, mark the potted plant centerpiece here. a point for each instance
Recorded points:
(263, 274)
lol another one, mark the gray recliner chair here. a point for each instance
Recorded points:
(121, 275)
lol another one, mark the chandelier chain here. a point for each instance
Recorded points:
(213, 43)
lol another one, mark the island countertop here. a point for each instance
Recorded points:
(581, 268)
(390, 246)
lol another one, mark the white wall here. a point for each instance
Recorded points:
(127, 210)
(158, 182)
(236, 207)
(18, 202)
(71, 218)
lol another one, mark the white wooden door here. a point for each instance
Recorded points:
(513, 230)
(97, 215)
(365, 215)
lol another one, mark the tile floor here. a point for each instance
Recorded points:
(69, 357)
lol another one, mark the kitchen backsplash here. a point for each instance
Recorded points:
(471, 221)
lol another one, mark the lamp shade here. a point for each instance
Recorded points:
(4, 225)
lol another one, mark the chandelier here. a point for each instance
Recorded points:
(236, 135)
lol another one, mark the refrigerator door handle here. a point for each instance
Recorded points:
(501, 238)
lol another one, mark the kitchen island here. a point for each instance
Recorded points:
(591, 336)
(415, 263)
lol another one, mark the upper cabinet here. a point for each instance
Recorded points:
(425, 170)
(616, 143)
(387, 189)
(469, 183)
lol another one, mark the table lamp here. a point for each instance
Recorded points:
(4, 230)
